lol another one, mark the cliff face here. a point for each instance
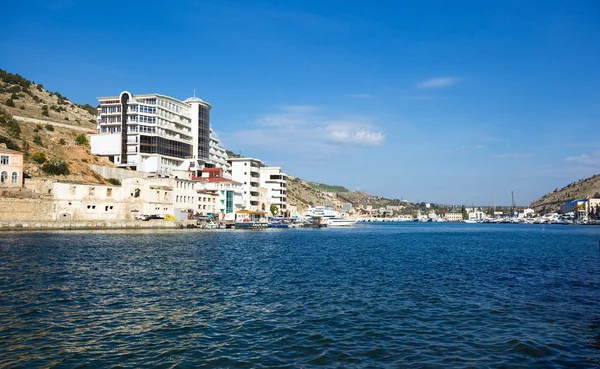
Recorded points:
(582, 189)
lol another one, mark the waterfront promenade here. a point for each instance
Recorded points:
(21, 225)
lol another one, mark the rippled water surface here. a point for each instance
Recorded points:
(449, 295)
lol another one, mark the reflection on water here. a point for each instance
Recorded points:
(376, 295)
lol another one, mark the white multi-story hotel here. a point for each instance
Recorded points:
(275, 181)
(218, 155)
(151, 132)
(247, 172)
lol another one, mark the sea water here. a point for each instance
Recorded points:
(384, 295)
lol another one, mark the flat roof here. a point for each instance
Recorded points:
(9, 151)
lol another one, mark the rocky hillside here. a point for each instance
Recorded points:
(48, 128)
(581, 189)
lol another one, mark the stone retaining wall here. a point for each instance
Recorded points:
(12, 209)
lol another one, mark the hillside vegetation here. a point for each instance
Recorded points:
(581, 189)
(57, 145)
(327, 188)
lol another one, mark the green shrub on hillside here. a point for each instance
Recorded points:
(49, 127)
(6, 120)
(22, 107)
(39, 157)
(40, 87)
(81, 140)
(114, 181)
(14, 89)
(10, 144)
(10, 102)
(62, 141)
(90, 109)
(37, 140)
(56, 167)
(14, 96)
(14, 79)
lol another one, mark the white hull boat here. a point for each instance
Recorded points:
(340, 222)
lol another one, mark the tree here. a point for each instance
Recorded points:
(37, 140)
(464, 212)
(274, 209)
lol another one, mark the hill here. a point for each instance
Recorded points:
(48, 128)
(581, 189)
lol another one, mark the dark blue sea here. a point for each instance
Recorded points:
(377, 296)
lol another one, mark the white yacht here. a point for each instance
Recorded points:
(330, 216)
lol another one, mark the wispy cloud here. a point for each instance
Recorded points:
(512, 156)
(438, 82)
(592, 159)
(358, 96)
(306, 130)
(480, 147)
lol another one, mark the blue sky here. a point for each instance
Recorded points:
(441, 101)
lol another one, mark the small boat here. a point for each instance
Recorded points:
(469, 221)
(341, 222)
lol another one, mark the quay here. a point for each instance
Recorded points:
(21, 225)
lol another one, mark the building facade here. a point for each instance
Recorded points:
(11, 168)
(275, 181)
(247, 172)
(217, 155)
(151, 132)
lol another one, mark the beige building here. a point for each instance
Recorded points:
(11, 168)
(453, 217)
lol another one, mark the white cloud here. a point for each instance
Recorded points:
(304, 130)
(353, 133)
(480, 147)
(438, 82)
(593, 159)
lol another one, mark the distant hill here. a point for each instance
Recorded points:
(327, 188)
(581, 189)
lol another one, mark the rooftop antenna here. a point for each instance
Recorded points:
(194, 92)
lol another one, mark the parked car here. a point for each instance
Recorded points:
(150, 217)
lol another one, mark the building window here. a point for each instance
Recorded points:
(72, 190)
(108, 192)
(3, 177)
(4, 159)
(15, 177)
(92, 190)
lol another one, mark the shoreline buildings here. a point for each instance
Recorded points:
(152, 133)
(161, 136)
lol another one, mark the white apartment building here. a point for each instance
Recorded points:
(275, 181)
(247, 172)
(151, 132)
(217, 155)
